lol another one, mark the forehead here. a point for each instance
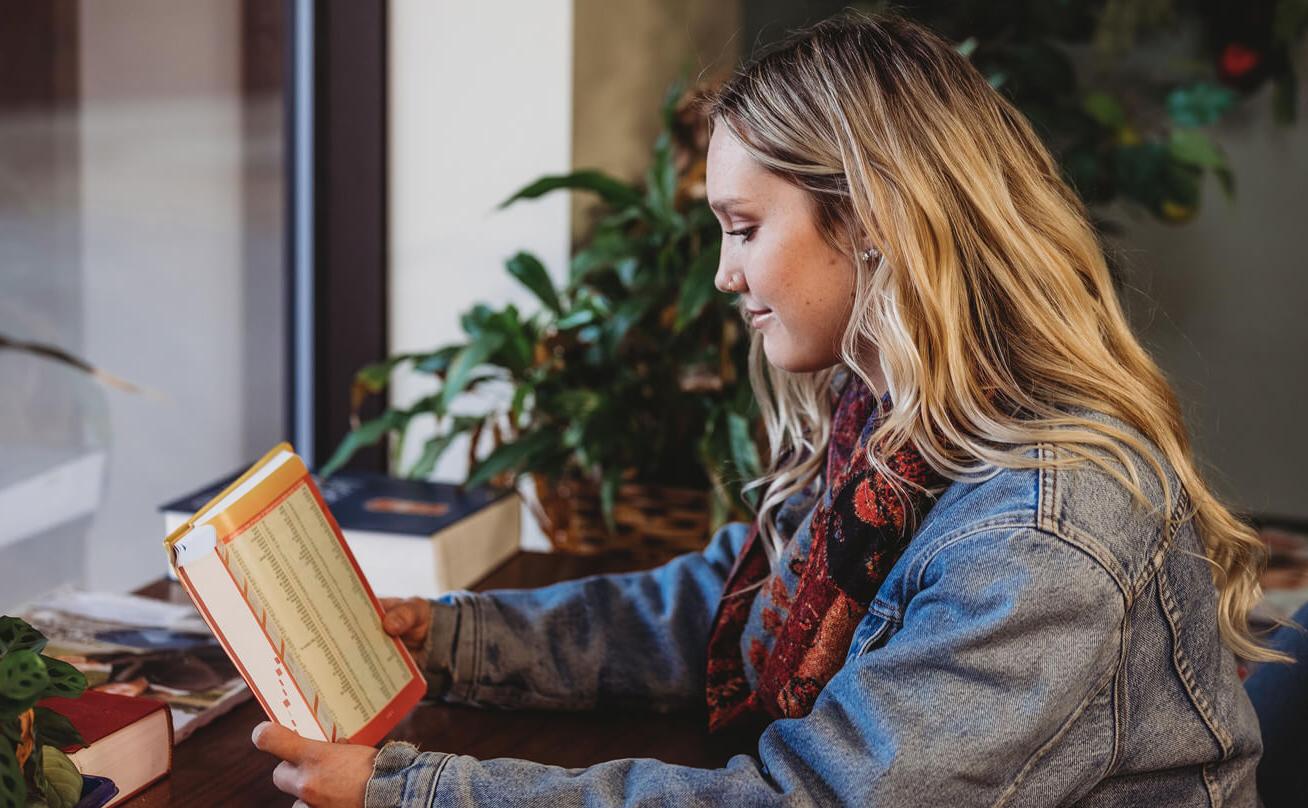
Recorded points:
(732, 174)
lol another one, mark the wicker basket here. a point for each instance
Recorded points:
(653, 523)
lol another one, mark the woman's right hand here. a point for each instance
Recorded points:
(408, 619)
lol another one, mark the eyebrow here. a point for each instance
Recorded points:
(723, 205)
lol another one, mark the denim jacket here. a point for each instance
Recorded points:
(1041, 641)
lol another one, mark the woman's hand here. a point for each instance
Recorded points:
(319, 774)
(409, 619)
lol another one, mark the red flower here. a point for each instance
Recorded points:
(1236, 60)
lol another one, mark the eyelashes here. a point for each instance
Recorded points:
(745, 234)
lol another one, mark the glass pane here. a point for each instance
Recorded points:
(140, 228)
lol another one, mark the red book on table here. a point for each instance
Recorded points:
(129, 739)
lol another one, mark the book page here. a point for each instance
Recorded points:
(307, 594)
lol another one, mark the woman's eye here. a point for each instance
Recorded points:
(745, 234)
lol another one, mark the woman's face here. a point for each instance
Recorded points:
(795, 290)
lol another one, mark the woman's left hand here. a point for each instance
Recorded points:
(321, 774)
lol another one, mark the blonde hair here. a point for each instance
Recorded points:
(991, 304)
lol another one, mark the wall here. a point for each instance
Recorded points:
(1220, 301)
(627, 54)
(481, 102)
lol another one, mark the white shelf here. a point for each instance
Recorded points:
(42, 487)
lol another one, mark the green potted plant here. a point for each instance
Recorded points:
(625, 396)
(33, 769)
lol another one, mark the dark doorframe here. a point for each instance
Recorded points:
(337, 215)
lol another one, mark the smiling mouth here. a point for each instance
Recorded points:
(755, 316)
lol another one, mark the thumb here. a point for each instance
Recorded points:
(280, 741)
(398, 619)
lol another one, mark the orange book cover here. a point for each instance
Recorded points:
(267, 566)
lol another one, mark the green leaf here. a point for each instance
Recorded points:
(608, 497)
(54, 729)
(368, 434)
(606, 248)
(661, 182)
(516, 353)
(519, 402)
(743, 450)
(13, 789)
(1199, 104)
(627, 314)
(437, 445)
(465, 361)
(697, 289)
(22, 674)
(531, 273)
(574, 318)
(438, 361)
(477, 320)
(17, 634)
(65, 679)
(1195, 148)
(63, 780)
(376, 376)
(967, 47)
(512, 456)
(628, 271)
(1105, 109)
(616, 192)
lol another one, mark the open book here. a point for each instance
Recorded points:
(267, 567)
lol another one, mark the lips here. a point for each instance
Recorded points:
(757, 317)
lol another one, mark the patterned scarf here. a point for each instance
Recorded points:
(813, 604)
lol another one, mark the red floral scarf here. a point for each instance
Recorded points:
(858, 528)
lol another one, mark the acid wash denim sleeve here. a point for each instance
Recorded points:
(634, 640)
(996, 657)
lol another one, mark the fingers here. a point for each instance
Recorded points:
(282, 742)
(288, 778)
(407, 619)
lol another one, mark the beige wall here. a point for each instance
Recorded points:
(627, 53)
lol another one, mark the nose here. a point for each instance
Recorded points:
(729, 279)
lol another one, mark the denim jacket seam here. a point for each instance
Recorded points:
(1105, 680)
(436, 780)
(1047, 498)
(886, 610)
(1121, 693)
(1185, 672)
(1079, 546)
(1159, 555)
(1074, 535)
(471, 620)
(1211, 786)
(1012, 519)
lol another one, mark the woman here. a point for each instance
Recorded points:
(985, 570)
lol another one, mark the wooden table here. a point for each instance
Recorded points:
(219, 766)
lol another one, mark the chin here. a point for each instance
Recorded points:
(792, 360)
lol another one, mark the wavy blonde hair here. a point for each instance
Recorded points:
(991, 305)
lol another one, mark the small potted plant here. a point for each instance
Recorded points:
(625, 397)
(33, 769)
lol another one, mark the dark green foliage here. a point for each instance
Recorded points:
(13, 790)
(16, 635)
(27, 676)
(1122, 127)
